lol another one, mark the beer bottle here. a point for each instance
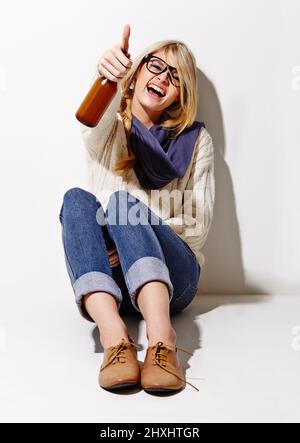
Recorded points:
(97, 100)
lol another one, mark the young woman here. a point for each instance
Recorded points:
(132, 242)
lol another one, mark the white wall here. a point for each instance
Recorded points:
(249, 74)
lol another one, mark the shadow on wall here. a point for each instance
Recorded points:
(223, 272)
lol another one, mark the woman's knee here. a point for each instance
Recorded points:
(77, 194)
(79, 198)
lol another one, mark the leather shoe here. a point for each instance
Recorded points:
(120, 367)
(161, 370)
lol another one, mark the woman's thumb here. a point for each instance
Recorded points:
(125, 38)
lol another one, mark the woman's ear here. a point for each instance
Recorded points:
(132, 84)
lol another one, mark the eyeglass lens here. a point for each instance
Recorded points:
(156, 66)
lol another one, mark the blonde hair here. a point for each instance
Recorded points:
(180, 114)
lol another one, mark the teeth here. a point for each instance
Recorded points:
(157, 88)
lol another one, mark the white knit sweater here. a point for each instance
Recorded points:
(185, 204)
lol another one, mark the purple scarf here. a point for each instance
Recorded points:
(160, 159)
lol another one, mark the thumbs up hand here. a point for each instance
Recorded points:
(115, 62)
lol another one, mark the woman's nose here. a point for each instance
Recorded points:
(163, 76)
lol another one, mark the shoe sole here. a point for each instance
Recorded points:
(162, 389)
(120, 385)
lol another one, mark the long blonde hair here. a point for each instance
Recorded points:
(180, 114)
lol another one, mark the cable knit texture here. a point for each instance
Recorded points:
(188, 212)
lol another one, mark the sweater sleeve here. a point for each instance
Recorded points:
(95, 138)
(199, 196)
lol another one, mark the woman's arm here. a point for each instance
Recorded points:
(201, 185)
(96, 138)
(113, 65)
(193, 224)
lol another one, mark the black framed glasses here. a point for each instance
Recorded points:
(156, 65)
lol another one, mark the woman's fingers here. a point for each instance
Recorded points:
(106, 73)
(113, 257)
(116, 62)
(114, 262)
(112, 69)
(107, 69)
(111, 251)
(122, 59)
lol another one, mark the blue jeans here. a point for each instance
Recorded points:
(147, 247)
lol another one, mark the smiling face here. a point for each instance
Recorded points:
(148, 106)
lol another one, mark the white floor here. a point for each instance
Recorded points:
(246, 363)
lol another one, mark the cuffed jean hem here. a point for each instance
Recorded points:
(144, 270)
(95, 282)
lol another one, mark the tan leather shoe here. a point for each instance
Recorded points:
(161, 371)
(120, 367)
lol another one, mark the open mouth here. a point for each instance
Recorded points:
(154, 93)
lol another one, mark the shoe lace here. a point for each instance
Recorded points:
(160, 359)
(117, 352)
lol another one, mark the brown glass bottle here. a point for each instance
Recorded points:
(96, 101)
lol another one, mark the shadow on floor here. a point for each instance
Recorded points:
(187, 323)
